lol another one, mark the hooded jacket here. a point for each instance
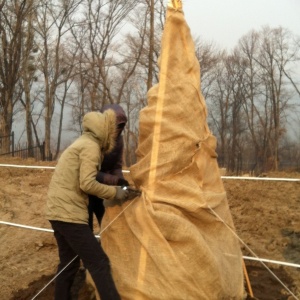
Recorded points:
(75, 173)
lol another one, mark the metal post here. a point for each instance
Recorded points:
(13, 143)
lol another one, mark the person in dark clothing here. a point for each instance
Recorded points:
(111, 168)
(73, 180)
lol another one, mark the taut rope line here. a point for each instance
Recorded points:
(281, 263)
(127, 171)
(54, 277)
(272, 273)
(98, 236)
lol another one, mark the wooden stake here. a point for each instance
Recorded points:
(247, 280)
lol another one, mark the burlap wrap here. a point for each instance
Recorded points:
(167, 244)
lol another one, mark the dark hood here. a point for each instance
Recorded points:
(120, 113)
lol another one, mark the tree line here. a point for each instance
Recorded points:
(62, 58)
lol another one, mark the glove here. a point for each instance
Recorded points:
(122, 182)
(121, 195)
(133, 194)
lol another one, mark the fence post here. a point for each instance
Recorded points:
(43, 151)
(13, 143)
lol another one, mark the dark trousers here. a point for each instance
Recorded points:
(77, 240)
(95, 207)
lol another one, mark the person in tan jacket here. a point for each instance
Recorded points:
(73, 180)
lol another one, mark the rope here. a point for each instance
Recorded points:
(270, 271)
(54, 278)
(272, 261)
(38, 167)
(25, 226)
(128, 171)
(27, 167)
(282, 263)
(261, 178)
(130, 203)
(31, 227)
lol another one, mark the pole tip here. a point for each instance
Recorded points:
(175, 4)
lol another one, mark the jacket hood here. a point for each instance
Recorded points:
(102, 126)
(119, 111)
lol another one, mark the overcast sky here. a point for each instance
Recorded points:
(225, 21)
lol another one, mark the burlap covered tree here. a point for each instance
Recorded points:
(168, 243)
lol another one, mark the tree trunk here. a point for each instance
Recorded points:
(151, 46)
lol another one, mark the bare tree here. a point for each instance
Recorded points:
(150, 18)
(96, 34)
(12, 17)
(28, 71)
(209, 56)
(292, 59)
(52, 27)
(68, 74)
(109, 59)
(151, 44)
(236, 72)
(273, 58)
(256, 115)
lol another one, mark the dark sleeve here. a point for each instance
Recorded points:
(117, 170)
(106, 178)
(111, 167)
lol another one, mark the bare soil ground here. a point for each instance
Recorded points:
(266, 216)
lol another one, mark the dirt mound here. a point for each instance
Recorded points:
(265, 213)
